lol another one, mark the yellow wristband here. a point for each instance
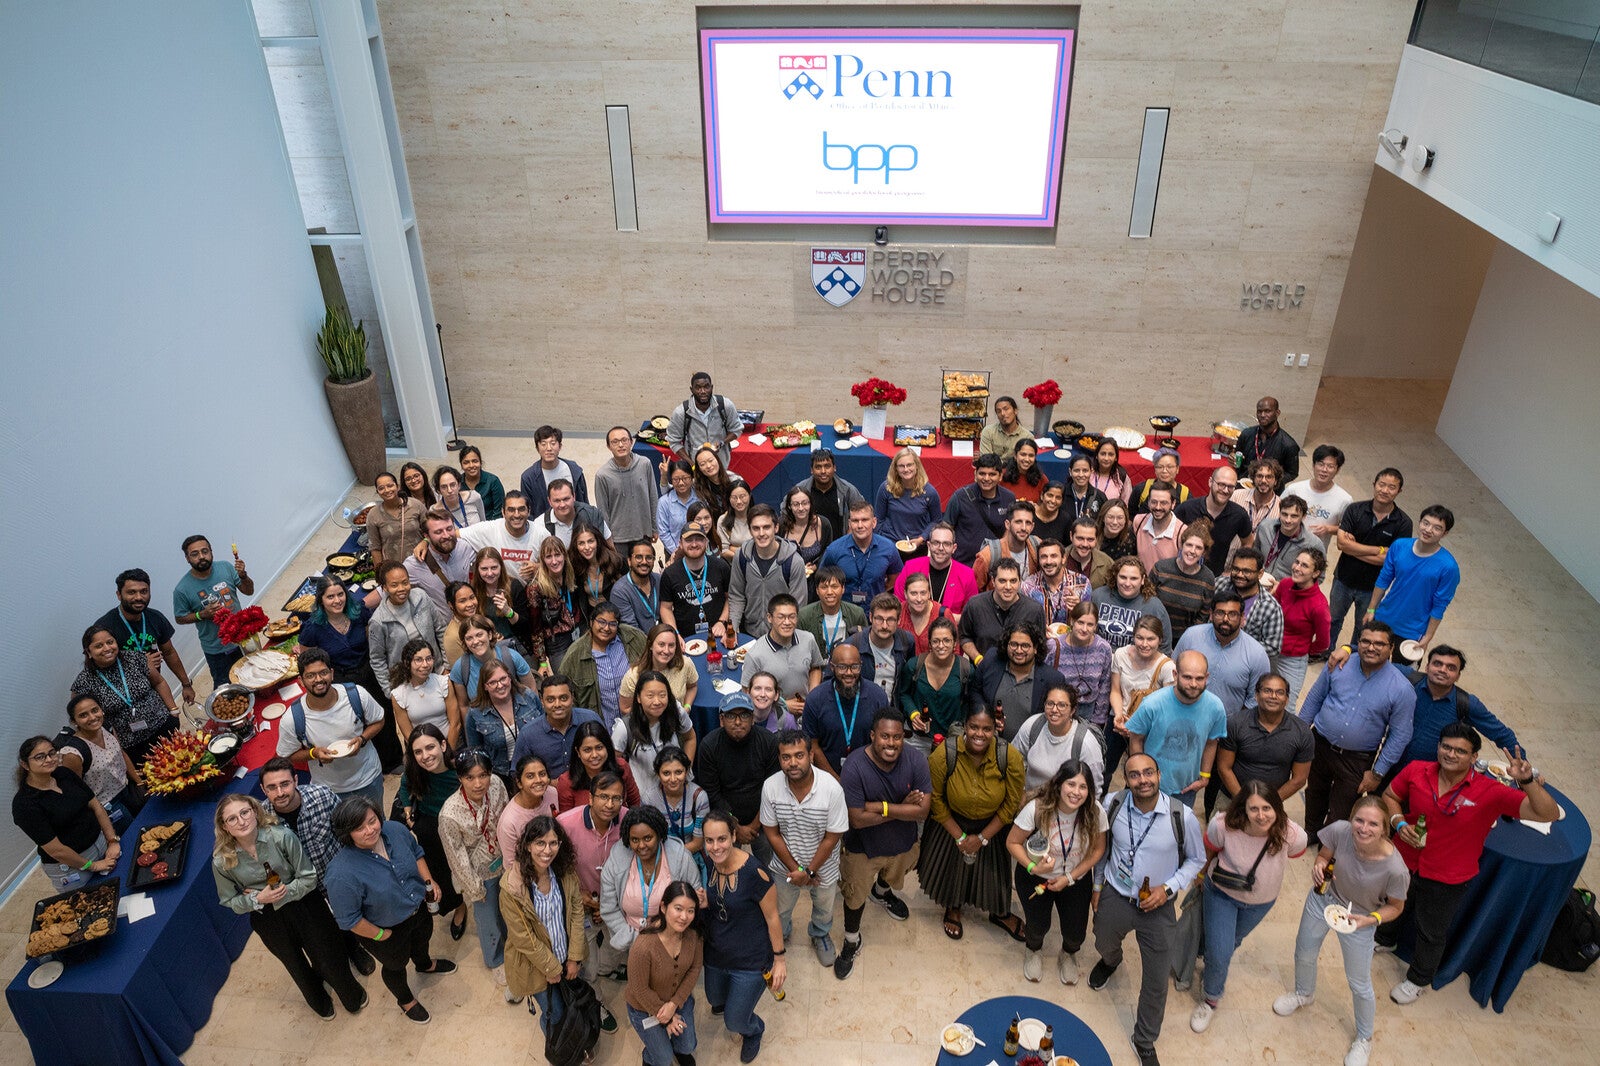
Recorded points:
(886, 808)
(1377, 917)
(1205, 773)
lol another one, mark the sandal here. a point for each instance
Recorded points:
(1013, 926)
(952, 923)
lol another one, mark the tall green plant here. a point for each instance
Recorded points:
(343, 347)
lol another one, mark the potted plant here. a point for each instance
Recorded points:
(352, 391)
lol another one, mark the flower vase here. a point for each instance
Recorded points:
(1042, 417)
(254, 643)
(875, 421)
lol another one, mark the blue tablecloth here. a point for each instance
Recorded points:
(145, 994)
(990, 1018)
(706, 697)
(1505, 917)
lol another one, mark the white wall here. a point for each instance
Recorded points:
(1506, 152)
(157, 310)
(1521, 409)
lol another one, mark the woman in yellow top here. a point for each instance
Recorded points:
(977, 790)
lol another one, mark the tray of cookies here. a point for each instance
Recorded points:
(74, 919)
(161, 854)
(964, 384)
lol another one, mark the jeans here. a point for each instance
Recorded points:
(491, 926)
(1227, 923)
(1293, 669)
(737, 992)
(1430, 907)
(66, 878)
(551, 1008)
(220, 662)
(822, 897)
(1340, 600)
(1356, 948)
(659, 1048)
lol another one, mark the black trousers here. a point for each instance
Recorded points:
(303, 936)
(1430, 907)
(406, 942)
(1335, 783)
(1070, 907)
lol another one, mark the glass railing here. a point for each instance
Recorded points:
(1550, 43)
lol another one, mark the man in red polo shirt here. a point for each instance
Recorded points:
(1461, 806)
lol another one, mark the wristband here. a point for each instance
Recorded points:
(962, 839)
(1344, 647)
(1377, 917)
(86, 865)
(1205, 775)
(1032, 864)
(1399, 825)
(780, 952)
(380, 935)
(886, 808)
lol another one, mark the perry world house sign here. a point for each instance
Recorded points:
(1271, 296)
(891, 277)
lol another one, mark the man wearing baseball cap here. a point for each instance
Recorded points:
(694, 590)
(732, 763)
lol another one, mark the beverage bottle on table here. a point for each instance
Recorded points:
(1422, 830)
(1013, 1039)
(1047, 1043)
(1144, 890)
(1327, 879)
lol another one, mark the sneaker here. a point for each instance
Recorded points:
(360, 1005)
(716, 1010)
(1200, 1020)
(890, 902)
(365, 965)
(847, 958)
(824, 949)
(1033, 965)
(1147, 1055)
(325, 1013)
(417, 1013)
(749, 1048)
(608, 1021)
(1360, 1051)
(533, 1007)
(1380, 948)
(440, 966)
(1067, 968)
(683, 1058)
(1405, 993)
(1288, 1003)
(1100, 975)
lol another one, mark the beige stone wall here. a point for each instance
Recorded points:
(550, 314)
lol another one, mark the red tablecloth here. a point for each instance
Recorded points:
(264, 745)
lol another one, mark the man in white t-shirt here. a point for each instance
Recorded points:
(328, 718)
(512, 535)
(1325, 501)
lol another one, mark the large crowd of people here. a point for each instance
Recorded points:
(1071, 708)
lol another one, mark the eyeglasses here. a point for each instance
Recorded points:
(1373, 643)
(239, 817)
(44, 756)
(1460, 753)
(606, 623)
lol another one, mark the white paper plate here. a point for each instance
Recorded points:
(339, 749)
(1029, 1032)
(1147, 454)
(1411, 650)
(47, 973)
(843, 445)
(1063, 453)
(696, 646)
(964, 1039)
(1338, 918)
(274, 712)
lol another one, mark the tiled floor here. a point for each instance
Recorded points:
(1527, 636)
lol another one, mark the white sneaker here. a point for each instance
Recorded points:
(1405, 993)
(1288, 1003)
(1360, 1051)
(1067, 968)
(1033, 966)
(1200, 1020)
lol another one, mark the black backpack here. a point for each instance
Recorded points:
(1574, 941)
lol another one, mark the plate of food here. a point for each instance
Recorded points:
(1058, 629)
(958, 1039)
(1125, 436)
(370, 583)
(339, 749)
(738, 654)
(1029, 1032)
(906, 545)
(282, 628)
(1500, 772)
(660, 423)
(842, 426)
(1338, 917)
(695, 646)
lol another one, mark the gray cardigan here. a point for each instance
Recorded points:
(680, 867)
(1267, 534)
(749, 592)
(387, 635)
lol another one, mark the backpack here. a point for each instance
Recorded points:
(785, 564)
(1463, 708)
(719, 404)
(1138, 695)
(1077, 742)
(297, 710)
(1574, 941)
(950, 757)
(1176, 812)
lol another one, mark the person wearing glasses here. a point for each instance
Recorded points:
(1360, 714)
(1262, 614)
(596, 666)
(594, 830)
(59, 813)
(625, 489)
(1230, 523)
(469, 831)
(263, 872)
(1461, 806)
(952, 583)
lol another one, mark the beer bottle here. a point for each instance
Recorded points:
(1047, 1043)
(777, 993)
(1013, 1039)
(1144, 891)
(1327, 879)
(1422, 830)
(273, 880)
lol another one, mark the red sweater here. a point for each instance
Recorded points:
(1306, 619)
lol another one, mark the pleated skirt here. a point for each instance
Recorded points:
(952, 882)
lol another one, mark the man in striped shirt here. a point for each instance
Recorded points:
(804, 816)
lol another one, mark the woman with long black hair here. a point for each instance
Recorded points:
(1059, 835)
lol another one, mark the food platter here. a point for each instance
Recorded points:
(282, 629)
(1125, 436)
(262, 669)
(660, 423)
(304, 600)
(161, 854)
(73, 919)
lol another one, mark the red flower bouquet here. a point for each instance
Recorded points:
(1044, 394)
(875, 391)
(236, 627)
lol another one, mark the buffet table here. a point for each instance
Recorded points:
(770, 472)
(144, 994)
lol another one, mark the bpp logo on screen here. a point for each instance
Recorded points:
(869, 159)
